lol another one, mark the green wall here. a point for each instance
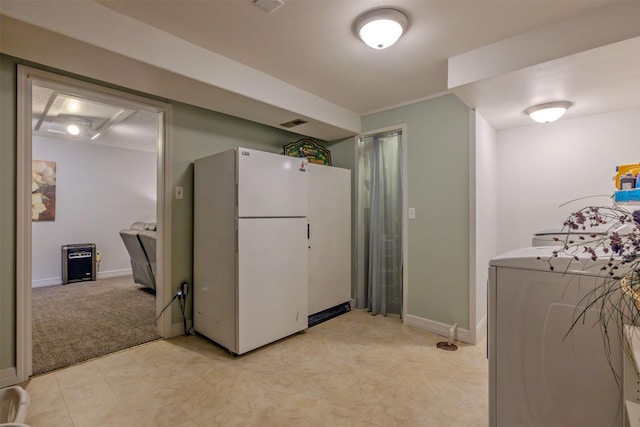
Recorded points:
(438, 187)
(196, 132)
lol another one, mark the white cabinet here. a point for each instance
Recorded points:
(329, 216)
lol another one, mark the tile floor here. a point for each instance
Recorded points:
(354, 370)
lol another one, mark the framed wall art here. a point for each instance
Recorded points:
(43, 190)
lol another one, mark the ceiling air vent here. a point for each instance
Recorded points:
(268, 6)
(293, 123)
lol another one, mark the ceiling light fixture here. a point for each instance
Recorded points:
(381, 28)
(79, 124)
(73, 105)
(549, 112)
(73, 130)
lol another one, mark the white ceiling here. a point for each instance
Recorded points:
(55, 107)
(310, 45)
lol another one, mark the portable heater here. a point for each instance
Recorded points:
(78, 262)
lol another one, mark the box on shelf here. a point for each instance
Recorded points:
(627, 195)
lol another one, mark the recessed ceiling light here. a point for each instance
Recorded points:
(549, 112)
(381, 28)
(73, 130)
(73, 105)
(79, 124)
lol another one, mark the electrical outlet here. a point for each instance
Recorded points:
(98, 256)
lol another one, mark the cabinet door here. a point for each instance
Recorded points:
(329, 237)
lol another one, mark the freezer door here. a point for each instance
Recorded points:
(271, 185)
(272, 280)
(329, 237)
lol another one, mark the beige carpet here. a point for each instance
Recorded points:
(80, 321)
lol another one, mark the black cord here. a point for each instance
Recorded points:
(177, 295)
(183, 301)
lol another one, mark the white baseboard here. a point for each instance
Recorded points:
(113, 273)
(8, 377)
(437, 328)
(38, 283)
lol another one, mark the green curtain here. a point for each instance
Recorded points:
(379, 223)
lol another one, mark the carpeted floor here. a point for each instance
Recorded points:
(80, 321)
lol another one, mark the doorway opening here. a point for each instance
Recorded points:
(380, 221)
(91, 162)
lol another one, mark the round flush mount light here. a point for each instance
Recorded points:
(381, 28)
(549, 112)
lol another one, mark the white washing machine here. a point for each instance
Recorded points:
(538, 374)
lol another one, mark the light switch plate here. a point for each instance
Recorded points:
(179, 192)
(412, 213)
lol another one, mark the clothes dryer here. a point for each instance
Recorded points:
(540, 372)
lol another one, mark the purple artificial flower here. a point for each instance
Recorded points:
(616, 243)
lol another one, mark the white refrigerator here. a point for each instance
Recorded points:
(250, 248)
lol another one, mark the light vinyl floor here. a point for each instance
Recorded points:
(353, 370)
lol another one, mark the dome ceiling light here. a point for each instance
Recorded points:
(381, 28)
(549, 112)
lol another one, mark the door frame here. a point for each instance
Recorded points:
(27, 76)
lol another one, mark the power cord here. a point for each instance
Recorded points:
(181, 295)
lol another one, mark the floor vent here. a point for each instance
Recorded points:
(329, 313)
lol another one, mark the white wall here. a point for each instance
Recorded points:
(486, 223)
(543, 166)
(99, 191)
